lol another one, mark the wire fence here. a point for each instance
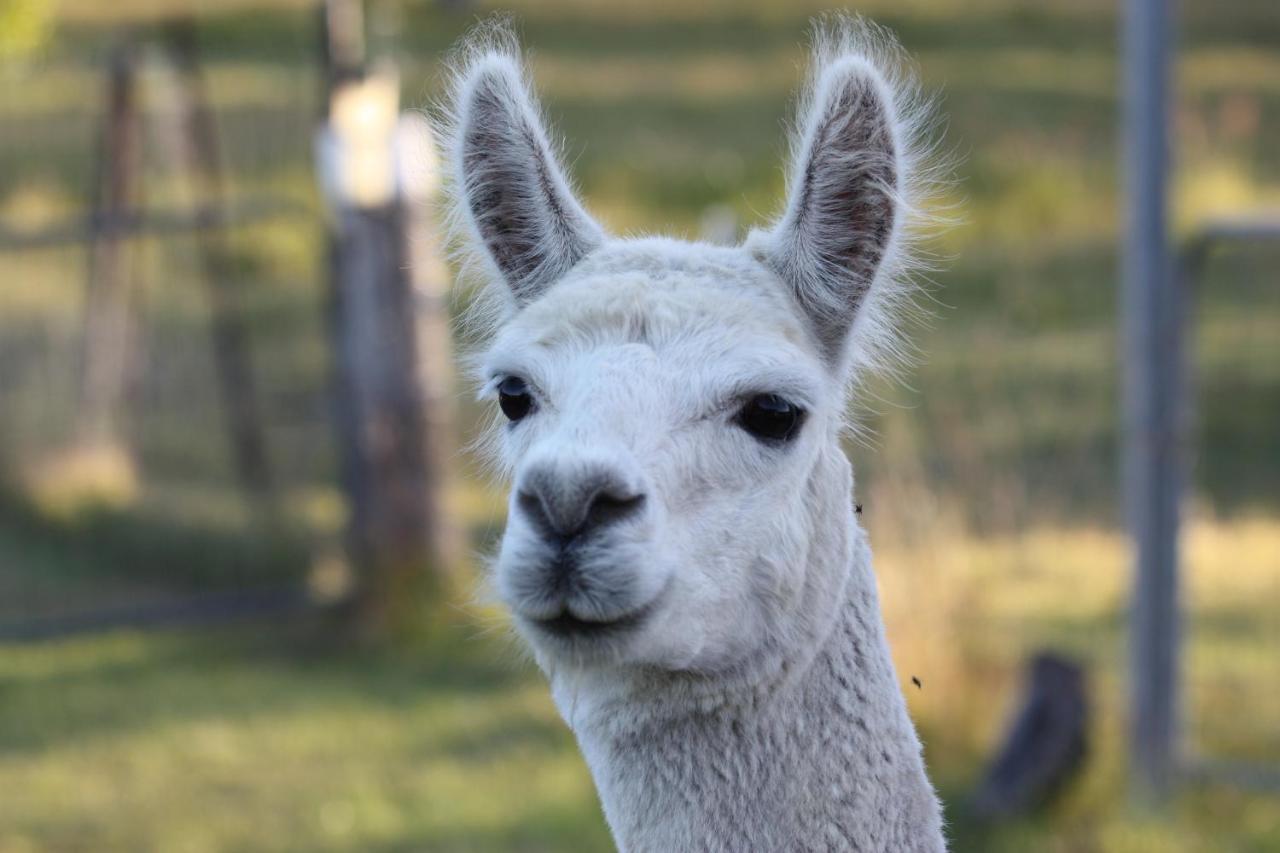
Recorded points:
(159, 226)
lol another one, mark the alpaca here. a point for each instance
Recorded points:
(681, 552)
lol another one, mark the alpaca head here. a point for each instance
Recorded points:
(673, 411)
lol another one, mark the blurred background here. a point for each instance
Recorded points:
(239, 527)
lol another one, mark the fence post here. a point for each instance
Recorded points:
(108, 322)
(1152, 362)
(395, 519)
(196, 141)
(418, 179)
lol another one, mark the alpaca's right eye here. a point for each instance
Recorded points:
(514, 398)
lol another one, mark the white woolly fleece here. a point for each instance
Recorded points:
(725, 668)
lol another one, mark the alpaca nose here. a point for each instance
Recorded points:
(563, 506)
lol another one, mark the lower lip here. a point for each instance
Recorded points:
(568, 626)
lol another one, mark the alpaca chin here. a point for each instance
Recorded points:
(589, 604)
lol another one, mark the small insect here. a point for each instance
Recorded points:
(917, 683)
(857, 508)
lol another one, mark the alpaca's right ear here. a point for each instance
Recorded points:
(513, 192)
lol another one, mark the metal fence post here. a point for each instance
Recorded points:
(1152, 363)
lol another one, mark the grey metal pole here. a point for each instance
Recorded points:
(1152, 363)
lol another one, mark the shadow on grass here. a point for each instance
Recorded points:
(144, 544)
(119, 684)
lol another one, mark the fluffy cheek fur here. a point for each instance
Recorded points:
(737, 554)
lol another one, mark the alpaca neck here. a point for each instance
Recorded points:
(820, 755)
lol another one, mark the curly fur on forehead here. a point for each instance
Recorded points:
(701, 309)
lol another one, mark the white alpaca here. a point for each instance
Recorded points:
(681, 552)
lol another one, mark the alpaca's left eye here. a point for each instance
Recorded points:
(771, 418)
(514, 398)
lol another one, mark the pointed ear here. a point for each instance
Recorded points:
(843, 202)
(512, 192)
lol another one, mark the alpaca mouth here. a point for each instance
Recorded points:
(567, 626)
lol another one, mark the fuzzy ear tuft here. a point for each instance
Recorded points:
(845, 189)
(510, 190)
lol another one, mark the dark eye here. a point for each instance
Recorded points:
(514, 398)
(770, 418)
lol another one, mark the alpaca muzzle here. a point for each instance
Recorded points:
(576, 557)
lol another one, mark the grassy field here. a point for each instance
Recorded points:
(257, 739)
(989, 478)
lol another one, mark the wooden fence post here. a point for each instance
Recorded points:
(199, 159)
(418, 179)
(109, 323)
(389, 474)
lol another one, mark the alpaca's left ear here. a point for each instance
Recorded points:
(842, 207)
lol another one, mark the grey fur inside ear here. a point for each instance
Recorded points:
(839, 221)
(519, 201)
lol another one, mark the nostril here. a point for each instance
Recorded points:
(541, 516)
(561, 509)
(607, 508)
(531, 504)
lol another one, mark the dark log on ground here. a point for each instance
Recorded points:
(1045, 745)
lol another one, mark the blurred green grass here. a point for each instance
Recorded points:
(275, 739)
(989, 480)
(247, 740)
